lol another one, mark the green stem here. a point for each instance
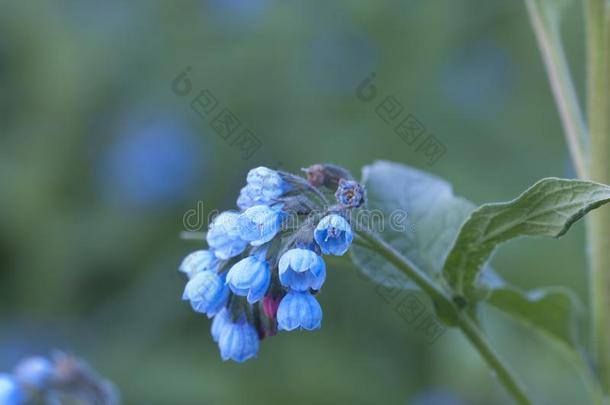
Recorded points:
(548, 35)
(468, 327)
(405, 265)
(478, 340)
(192, 235)
(598, 224)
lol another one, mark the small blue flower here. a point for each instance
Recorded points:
(199, 261)
(244, 201)
(350, 193)
(238, 341)
(10, 392)
(220, 321)
(263, 187)
(207, 293)
(34, 372)
(259, 224)
(302, 269)
(299, 310)
(334, 235)
(224, 237)
(250, 277)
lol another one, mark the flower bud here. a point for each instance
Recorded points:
(199, 261)
(350, 194)
(270, 305)
(207, 293)
(259, 224)
(315, 175)
(263, 187)
(238, 341)
(326, 174)
(301, 270)
(10, 391)
(299, 310)
(250, 277)
(34, 372)
(223, 236)
(218, 324)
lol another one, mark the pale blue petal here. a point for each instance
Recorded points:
(207, 293)
(249, 277)
(224, 236)
(198, 261)
(10, 392)
(334, 235)
(221, 320)
(34, 372)
(299, 310)
(238, 342)
(301, 269)
(259, 224)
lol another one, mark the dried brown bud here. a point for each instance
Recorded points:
(315, 175)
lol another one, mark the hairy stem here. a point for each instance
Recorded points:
(549, 41)
(468, 327)
(478, 340)
(192, 235)
(598, 224)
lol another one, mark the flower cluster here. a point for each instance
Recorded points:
(264, 264)
(38, 380)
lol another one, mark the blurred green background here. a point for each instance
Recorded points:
(100, 160)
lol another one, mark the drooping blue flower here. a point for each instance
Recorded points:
(259, 224)
(350, 194)
(224, 236)
(334, 235)
(250, 277)
(10, 392)
(299, 310)
(238, 341)
(251, 236)
(244, 201)
(198, 261)
(302, 269)
(74, 379)
(263, 187)
(207, 293)
(34, 372)
(221, 319)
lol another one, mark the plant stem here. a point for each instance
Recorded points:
(468, 327)
(406, 266)
(192, 235)
(478, 340)
(548, 35)
(598, 224)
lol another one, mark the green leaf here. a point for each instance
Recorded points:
(555, 313)
(548, 208)
(552, 311)
(433, 217)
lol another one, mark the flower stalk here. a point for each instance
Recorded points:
(590, 151)
(460, 319)
(546, 28)
(598, 226)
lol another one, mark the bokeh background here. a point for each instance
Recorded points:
(100, 161)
